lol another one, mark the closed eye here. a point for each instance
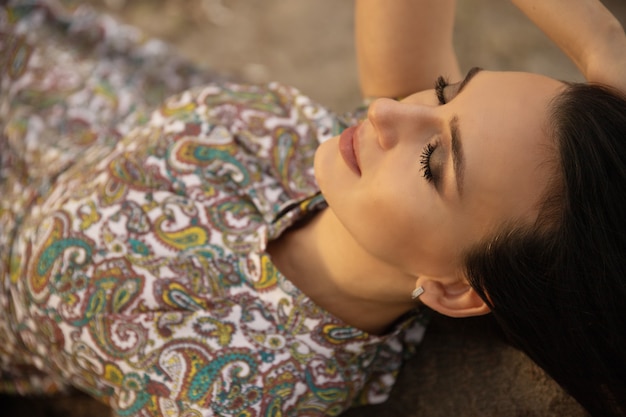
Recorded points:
(442, 84)
(425, 161)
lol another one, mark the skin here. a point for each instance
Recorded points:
(388, 228)
(403, 46)
(422, 226)
(587, 33)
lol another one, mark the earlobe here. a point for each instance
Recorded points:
(456, 299)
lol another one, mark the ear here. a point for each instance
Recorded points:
(453, 298)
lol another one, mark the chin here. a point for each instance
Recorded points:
(323, 160)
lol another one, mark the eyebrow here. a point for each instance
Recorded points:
(458, 159)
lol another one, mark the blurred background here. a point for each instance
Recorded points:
(309, 44)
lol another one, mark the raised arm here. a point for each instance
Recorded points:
(404, 45)
(587, 32)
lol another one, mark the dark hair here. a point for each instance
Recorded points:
(558, 288)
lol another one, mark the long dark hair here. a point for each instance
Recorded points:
(558, 288)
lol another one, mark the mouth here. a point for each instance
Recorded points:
(348, 148)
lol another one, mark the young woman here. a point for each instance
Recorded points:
(187, 264)
(544, 247)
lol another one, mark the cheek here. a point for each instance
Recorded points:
(505, 181)
(384, 219)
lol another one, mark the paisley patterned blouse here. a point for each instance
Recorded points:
(132, 246)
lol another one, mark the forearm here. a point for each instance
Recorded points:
(586, 31)
(403, 45)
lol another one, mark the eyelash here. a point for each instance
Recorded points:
(428, 150)
(440, 85)
(425, 161)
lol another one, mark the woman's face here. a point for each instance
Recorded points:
(418, 182)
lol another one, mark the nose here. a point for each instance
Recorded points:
(398, 121)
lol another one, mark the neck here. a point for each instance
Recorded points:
(323, 260)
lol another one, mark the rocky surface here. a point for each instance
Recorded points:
(463, 368)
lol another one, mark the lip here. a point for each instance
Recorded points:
(348, 146)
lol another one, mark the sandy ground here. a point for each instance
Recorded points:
(462, 369)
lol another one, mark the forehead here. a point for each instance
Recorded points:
(509, 153)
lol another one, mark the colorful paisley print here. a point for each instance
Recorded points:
(133, 231)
